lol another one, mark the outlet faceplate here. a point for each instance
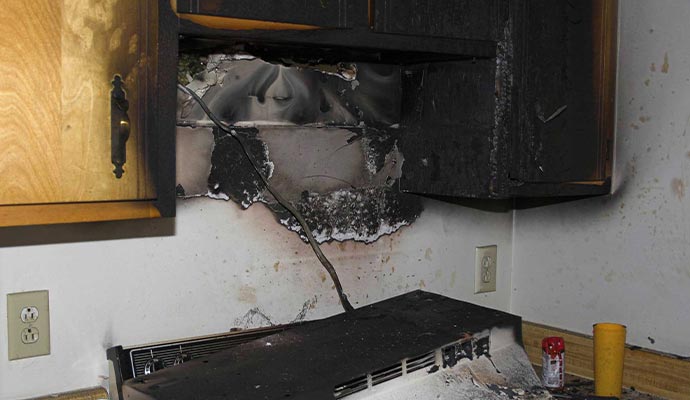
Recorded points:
(28, 325)
(485, 269)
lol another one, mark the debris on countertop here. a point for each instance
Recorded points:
(576, 388)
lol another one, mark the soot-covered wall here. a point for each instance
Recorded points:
(325, 136)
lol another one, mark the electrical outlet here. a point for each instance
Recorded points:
(29, 314)
(485, 269)
(28, 324)
(30, 335)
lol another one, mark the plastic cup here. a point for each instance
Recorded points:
(609, 349)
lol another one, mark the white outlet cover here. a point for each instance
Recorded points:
(28, 325)
(485, 263)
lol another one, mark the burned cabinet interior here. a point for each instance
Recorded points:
(86, 118)
(496, 99)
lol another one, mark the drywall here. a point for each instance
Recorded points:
(205, 271)
(624, 258)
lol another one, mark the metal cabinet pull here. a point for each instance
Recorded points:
(119, 126)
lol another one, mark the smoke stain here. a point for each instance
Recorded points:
(678, 187)
(665, 66)
(247, 294)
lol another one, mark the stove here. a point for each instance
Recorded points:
(419, 345)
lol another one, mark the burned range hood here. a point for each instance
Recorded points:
(410, 346)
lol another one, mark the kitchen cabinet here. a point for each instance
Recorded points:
(535, 121)
(500, 98)
(77, 78)
(460, 19)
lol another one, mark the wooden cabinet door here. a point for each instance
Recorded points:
(57, 64)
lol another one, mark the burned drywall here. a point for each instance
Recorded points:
(241, 89)
(326, 138)
(363, 214)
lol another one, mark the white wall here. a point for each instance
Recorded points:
(622, 258)
(220, 262)
(625, 258)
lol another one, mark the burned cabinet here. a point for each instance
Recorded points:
(271, 14)
(459, 19)
(534, 121)
(85, 110)
(565, 85)
(498, 98)
(448, 120)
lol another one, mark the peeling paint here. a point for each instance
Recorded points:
(232, 175)
(194, 149)
(354, 214)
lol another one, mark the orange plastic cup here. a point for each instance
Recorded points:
(609, 349)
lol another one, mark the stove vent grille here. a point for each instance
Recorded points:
(384, 375)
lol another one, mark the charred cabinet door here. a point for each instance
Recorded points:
(273, 14)
(454, 111)
(74, 81)
(460, 19)
(448, 128)
(534, 121)
(565, 81)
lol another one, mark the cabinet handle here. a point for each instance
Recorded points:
(119, 126)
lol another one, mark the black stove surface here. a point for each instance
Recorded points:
(309, 361)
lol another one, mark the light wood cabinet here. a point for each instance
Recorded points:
(58, 62)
